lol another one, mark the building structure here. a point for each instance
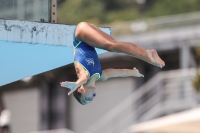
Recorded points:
(39, 103)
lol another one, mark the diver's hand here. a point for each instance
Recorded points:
(71, 85)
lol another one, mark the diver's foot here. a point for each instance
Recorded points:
(154, 59)
(136, 73)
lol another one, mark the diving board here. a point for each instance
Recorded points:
(29, 48)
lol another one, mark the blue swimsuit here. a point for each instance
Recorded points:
(87, 56)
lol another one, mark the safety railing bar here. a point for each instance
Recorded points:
(141, 90)
(176, 80)
(157, 108)
(148, 103)
(122, 123)
(180, 18)
(132, 97)
(174, 93)
(170, 87)
(175, 83)
(125, 122)
(129, 100)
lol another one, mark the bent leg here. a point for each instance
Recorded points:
(93, 36)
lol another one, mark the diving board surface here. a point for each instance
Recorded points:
(29, 48)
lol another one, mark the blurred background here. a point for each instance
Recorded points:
(166, 100)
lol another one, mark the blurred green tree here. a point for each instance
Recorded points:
(196, 80)
(109, 11)
(168, 7)
(75, 11)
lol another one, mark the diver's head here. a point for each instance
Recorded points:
(85, 94)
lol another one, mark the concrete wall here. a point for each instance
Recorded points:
(24, 107)
(109, 94)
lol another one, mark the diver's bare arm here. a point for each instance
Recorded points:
(82, 74)
(82, 80)
(74, 85)
(111, 73)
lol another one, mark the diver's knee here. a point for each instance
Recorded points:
(80, 28)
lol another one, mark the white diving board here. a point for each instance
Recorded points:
(29, 48)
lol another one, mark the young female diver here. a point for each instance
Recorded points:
(87, 65)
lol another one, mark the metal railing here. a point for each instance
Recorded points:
(157, 23)
(167, 92)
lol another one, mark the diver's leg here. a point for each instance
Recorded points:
(91, 35)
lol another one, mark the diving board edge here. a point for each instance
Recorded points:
(38, 32)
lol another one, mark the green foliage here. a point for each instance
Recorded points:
(196, 81)
(108, 11)
(75, 11)
(167, 7)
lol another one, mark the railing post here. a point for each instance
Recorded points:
(184, 56)
(53, 11)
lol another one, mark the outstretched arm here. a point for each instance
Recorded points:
(74, 85)
(82, 78)
(111, 73)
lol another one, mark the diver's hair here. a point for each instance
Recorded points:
(78, 96)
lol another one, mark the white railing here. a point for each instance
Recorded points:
(165, 93)
(149, 24)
